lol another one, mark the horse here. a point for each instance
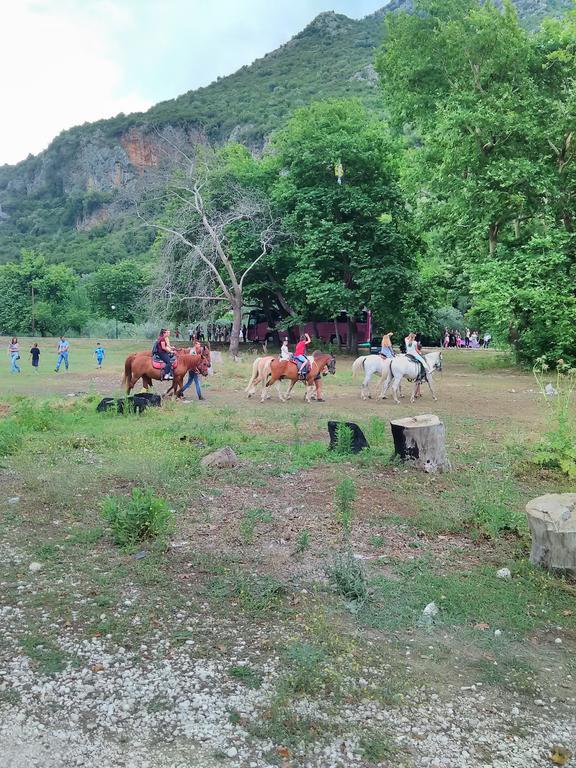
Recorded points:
(260, 373)
(401, 366)
(139, 366)
(287, 369)
(371, 365)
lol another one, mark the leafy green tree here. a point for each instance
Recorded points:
(118, 285)
(51, 286)
(352, 243)
(490, 167)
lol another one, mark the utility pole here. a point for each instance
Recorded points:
(33, 313)
(113, 308)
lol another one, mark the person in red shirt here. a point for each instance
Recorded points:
(300, 355)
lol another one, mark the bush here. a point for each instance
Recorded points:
(10, 437)
(138, 518)
(558, 448)
(344, 439)
(36, 418)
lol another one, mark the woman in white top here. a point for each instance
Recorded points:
(14, 354)
(412, 349)
(284, 351)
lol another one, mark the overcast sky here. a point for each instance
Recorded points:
(65, 62)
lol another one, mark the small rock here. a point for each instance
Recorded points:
(497, 632)
(221, 459)
(504, 573)
(35, 567)
(431, 610)
(558, 641)
(232, 752)
(539, 703)
(14, 500)
(549, 390)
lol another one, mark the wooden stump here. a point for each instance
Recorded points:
(420, 441)
(552, 521)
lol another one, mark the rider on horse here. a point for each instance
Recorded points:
(386, 349)
(412, 350)
(300, 356)
(163, 350)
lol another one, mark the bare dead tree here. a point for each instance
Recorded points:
(197, 263)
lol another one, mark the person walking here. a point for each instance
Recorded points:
(14, 354)
(194, 376)
(35, 352)
(99, 353)
(63, 350)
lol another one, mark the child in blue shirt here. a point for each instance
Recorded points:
(99, 352)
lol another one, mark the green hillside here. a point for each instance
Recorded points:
(56, 202)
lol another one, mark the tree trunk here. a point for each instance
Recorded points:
(568, 221)
(337, 339)
(236, 325)
(493, 237)
(419, 440)
(552, 521)
(352, 335)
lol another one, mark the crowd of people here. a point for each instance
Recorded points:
(213, 333)
(62, 353)
(468, 340)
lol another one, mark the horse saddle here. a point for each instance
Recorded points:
(421, 370)
(158, 363)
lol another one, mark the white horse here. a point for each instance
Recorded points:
(371, 365)
(401, 366)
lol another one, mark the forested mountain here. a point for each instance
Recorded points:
(57, 203)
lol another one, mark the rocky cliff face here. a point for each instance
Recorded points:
(331, 57)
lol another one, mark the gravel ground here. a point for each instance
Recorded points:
(112, 709)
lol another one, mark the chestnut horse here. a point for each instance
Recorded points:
(139, 366)
(287, 369)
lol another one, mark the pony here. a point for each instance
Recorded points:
(371, 365)
(139, 366)
(401, 366)
(287, 369)
(260, 373)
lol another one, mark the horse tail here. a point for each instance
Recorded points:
(358, 364)
(254, 377)
(127, 377)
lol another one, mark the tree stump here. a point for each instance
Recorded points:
(552, 521)
(419, 440)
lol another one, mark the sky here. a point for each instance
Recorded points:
(66, 62)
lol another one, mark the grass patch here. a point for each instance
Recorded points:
(254, 594)
(49, 659)
(375, 747)
(246, 675)
(346, 576)
(530, 600)
(250, 520)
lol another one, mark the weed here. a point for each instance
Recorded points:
(255, 594)
(137, 518)
(249, 521)
(344, 439)
(376, 747)
(286, 727)
(377, 431)
(347, 577)
(558, 448)
(302, 542)
(309, 671)
(33, 417)
(345, 495)
(376, 541)
(246, 675)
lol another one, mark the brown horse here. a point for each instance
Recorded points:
(322, 363)
(139, 366)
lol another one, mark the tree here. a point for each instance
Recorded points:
(50, 287)
(120, 285)
(216, 227)
(351, 241)
(490, 167)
